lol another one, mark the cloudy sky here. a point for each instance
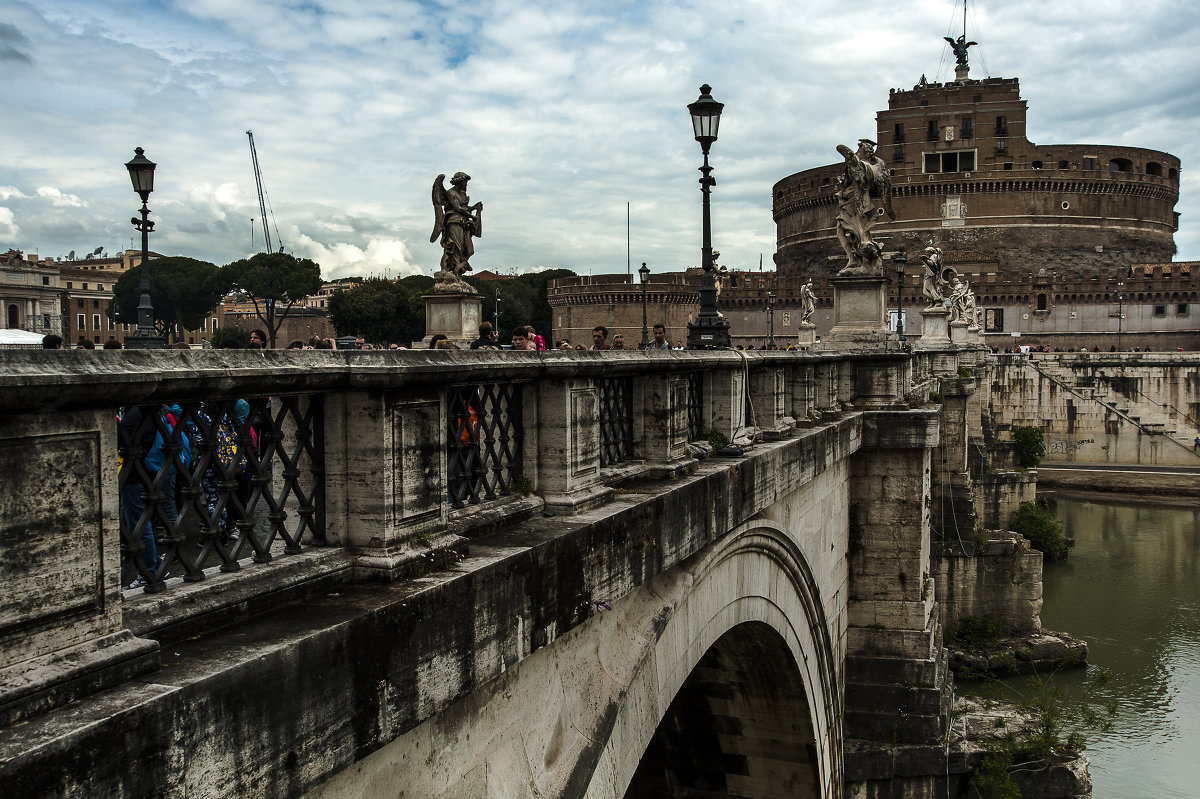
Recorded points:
(562, 112)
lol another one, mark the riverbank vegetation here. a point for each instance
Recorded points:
(1044, 531)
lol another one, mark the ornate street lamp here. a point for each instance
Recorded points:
(141, 173)
(899, 262)
(496, 315)
(771, 316)
(644, 274)
(710, 330)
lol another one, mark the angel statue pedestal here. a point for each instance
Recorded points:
(859, 313)
(958, 331)
(807, 336)
(934, 333)
(455, 315)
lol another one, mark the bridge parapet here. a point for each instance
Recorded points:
(400, 489)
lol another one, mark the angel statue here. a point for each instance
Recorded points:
(808, 302)
(933, 285)
(457, 222)
(865, 176)
(960, 49)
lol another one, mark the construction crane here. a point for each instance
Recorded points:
(262, 202)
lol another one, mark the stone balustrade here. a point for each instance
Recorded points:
(361, 466)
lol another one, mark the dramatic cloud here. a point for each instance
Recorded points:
(562, 113)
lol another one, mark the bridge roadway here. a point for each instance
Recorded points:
(628, 628)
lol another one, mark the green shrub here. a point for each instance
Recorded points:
(936, 397)
(964, 373)
(977, 633)
(717, 440)
(1045, 533)
(1031, 446)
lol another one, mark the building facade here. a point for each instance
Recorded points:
(1069, 245)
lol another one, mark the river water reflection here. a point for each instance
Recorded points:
(1131, 589)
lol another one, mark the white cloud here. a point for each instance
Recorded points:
(58, 199)
(562, 113)
(8, 226)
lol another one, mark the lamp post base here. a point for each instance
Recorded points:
(136, 342)
(708, 332)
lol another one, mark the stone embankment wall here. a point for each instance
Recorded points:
(1116, 409)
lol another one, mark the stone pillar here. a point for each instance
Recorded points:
(62, 634)
(566, 449)
(896, 684)
(934, 332)
(803, 388)
(386, 480)
(725, 391)
(453, 314)
(663, 424)
(954, 514)
(859, 312)
(768, 401)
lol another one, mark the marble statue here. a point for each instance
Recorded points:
(933, 285)
(456, 222)
(808, 301)
(865, 176)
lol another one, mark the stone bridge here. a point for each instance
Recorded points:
(466, 574)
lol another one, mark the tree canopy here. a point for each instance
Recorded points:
(272, 279)
(184, 292)
(522, 300)
(382, 310)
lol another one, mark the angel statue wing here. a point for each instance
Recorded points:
(439, 201)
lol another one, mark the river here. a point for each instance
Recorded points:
(1131, 589)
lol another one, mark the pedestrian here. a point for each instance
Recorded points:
(258, 339)
(600, 338)
(659, 342)
(487, 338)
(520, 339)
(51, 342)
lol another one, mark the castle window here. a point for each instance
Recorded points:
(898, 154)
(931, 130)
(1173, 174)
(1089, 163)
(1160, 310)
(977, 98)
(1181, 309)
(1064, 164)
(1037, 164)
(69, 285)
(1001, 126)
(967, 132)
(1120, 165)
(1154, 168)
(898, 135)
(1008, 166)
(45, 280)
(1001, 146)
(1041, 302)
(954, 161)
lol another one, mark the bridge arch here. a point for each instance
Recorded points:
(752, 596)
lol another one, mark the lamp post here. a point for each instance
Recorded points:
(141, 173)
(496, 314)
(1120, 313)
(644, 274)
(771, 316)
(710, 330)
(899, 262)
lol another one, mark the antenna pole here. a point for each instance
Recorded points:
(628, 267)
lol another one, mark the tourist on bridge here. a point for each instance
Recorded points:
(600, 338)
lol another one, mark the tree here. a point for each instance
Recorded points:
(184, 292)
(522, 299)
(379, 309)
(272, 279)
(230, 337)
